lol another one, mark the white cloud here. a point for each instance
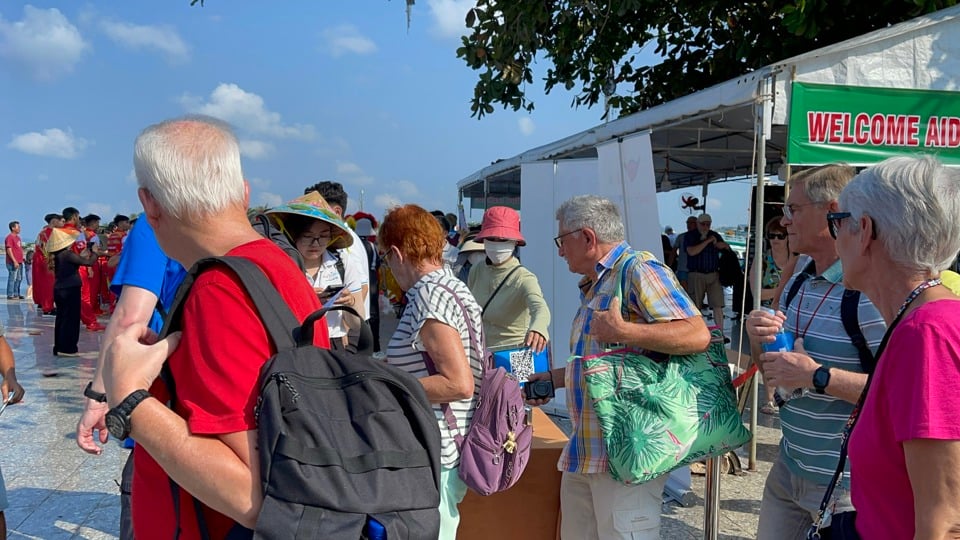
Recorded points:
(449, 16)
(256, 149)
(345, 39)
(44, 43)
(269, 199)
(51, 143)
(245, 110)
(345, 167)
(104, 210)
(526, 125)
(387, 201)
(407, 188)
(164, 39)
(259, 183)
(132, 177)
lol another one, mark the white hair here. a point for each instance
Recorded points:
(589, 211)
(190, 166)
(914, 203)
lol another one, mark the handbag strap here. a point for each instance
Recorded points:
(500, 286)
(475, 343)
(857, 409)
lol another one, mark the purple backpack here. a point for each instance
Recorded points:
(496, 448)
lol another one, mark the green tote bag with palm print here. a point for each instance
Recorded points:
(656, 416)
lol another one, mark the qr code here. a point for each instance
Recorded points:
(521, 364)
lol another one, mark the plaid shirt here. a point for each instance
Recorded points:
(651, 294)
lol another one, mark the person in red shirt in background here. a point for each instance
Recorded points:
(14, 250)
(121, 226)
(91, 231)
(42, 277)
(195, 198)
(71, 218)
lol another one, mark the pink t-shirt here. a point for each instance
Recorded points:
(915, 394)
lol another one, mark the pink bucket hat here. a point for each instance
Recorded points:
(501, 222)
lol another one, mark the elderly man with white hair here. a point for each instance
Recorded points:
(195, 198)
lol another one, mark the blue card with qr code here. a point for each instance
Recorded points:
(521, 360)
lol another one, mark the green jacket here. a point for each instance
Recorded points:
(518, 308)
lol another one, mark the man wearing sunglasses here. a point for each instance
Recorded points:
(824, 367)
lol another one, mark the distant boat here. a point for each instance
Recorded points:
(737, 238)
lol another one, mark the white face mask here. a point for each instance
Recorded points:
(499, 252)
(476, 257)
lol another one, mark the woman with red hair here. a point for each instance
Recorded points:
(435, 324)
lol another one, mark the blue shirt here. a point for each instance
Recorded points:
(143, 264)
(708, 260)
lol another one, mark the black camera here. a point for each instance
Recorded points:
(539, 389)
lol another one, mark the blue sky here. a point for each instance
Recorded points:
(316, 91)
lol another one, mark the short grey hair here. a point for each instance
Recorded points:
(823, 184)
(190, 166)
(589, 211)
(914, 203)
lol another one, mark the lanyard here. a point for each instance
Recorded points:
(855, 414)
(803, 333)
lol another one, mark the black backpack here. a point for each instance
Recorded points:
(267, 229)
(340, 438)
(849, 316)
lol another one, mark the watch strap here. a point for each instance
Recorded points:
(89, 392)
(118, 418)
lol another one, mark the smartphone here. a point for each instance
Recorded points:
(6, 402)
(330, 291)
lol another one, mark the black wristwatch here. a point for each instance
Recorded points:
(821, 378)
(93, 394)
(118, 418)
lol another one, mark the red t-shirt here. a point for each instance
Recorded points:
(13, 243)
(216, 368)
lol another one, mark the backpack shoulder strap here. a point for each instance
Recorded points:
(500, 286)
(273, 310)
(797, 283)
(850, 317)
(338, 262)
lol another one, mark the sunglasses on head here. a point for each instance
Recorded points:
(776, 236)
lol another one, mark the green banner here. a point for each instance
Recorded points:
(864, 125)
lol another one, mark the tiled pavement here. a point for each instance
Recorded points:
(57, 491)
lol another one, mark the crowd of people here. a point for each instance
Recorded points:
(888, 232)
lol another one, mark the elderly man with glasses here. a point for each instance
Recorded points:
(824, 371)
(657, 317)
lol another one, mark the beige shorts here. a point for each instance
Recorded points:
(595, 506)
(706, 284)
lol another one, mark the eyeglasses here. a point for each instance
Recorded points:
(321, 241)
(833, 222)
(776, 236)
(789, 209)
(558, 242)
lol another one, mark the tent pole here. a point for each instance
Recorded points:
(762, 135)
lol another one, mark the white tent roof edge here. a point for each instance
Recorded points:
(888, 51)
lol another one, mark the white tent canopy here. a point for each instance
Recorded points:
(709, 135)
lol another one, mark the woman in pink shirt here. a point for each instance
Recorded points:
(898, 230)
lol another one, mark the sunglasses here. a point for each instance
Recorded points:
(776, 236)
(833, 222)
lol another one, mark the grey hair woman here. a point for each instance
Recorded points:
(896, 231)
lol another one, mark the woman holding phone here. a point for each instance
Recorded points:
(318, 234)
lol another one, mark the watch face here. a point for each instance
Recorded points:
(116, 424)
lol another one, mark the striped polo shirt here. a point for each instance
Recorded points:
(652, 294)
(812, 424)
(427, 299)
